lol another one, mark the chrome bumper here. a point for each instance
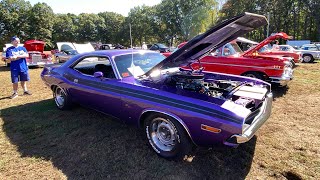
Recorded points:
(258, 121)
(284, 79)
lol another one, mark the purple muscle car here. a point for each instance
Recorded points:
(176, 108)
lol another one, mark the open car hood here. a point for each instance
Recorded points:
(65, 46)
(82, 48)
(34, 45)
(268, 40)
(212, 39)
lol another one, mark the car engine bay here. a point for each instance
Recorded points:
(188, 83)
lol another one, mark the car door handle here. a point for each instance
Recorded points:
(75, 80)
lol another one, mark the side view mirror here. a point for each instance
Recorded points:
(98, 74)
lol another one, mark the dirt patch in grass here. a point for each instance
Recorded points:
(37, 141)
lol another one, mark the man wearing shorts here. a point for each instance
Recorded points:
(18, 66)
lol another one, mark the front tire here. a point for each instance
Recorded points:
(167, 137)
(254, 75)
(61, 99)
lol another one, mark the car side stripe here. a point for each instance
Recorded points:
(160, 99)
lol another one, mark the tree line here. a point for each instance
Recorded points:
(171, 21)
(298, 18)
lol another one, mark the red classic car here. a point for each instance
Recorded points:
(229, 59)
(262, 51)
(37, 57)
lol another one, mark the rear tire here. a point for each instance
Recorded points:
(307, 58)
(167, 137)
(61, 98)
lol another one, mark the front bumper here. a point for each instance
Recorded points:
(284, 79)
(258, 121)
(38, 63)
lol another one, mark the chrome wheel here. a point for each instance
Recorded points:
(251, 75)
(59, 97)
(307, 58)
(254, 75)
(163, 134)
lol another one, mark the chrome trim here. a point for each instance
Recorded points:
(285, 78)
(259, 67)
(258, 121)
(171, 115)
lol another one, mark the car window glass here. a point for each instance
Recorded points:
(66, 47)
(90, 65)
(137, 64)
(216, 52)
(161, 46)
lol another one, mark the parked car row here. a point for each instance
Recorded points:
(229, 58)
(206, 92)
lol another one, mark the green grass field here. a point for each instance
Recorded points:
(38, 141)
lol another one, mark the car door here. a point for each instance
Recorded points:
(91, 91)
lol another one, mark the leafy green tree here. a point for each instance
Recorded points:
(142, 23)
(41, 20)
(298, 18)
(64, 28)
(13, 19)
(113, 24)
(186, 19)
(88, 27)
(314, 7)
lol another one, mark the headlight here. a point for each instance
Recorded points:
(287, 63)
(287, 70)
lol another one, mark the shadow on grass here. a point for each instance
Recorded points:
(4, 68)
(279, 91)
(86, 144)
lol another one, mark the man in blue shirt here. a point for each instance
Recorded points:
(19, 69)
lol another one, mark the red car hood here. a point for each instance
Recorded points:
(268, 40)
(212, 39)
(34, 45)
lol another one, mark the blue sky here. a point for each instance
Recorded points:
(94, 6)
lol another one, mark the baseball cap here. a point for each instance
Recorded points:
(15, 38)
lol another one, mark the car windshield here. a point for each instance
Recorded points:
(231, 49)
(236, 48)
(137, 64)
(263, 49)
(162, 46)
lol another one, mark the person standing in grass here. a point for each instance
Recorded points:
(19, 70)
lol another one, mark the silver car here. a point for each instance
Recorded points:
(65, 55)
(310, 52)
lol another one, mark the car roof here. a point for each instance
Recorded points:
(309, 45)
(117, 52)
